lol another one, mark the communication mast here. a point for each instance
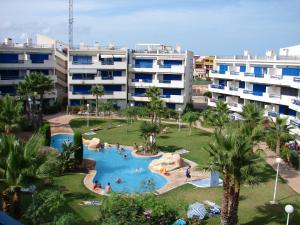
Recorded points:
(71, 20)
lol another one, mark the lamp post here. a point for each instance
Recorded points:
(87, 115)
(278, 161)
(179, 119)
(30, 102)
(288, 209)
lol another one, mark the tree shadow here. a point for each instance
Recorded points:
(273, 214)
(163, 137)
(169, 148)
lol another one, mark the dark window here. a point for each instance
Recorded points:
(289, 91)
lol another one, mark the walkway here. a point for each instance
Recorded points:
(289, 174)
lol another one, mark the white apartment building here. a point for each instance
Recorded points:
(91, 65)
(156, 65)
(47, 56)
(271, 81)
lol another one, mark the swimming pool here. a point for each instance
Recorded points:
(111, 164)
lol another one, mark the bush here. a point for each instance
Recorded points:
(26, 125)
(294, 159)
(67, 219)
(74, 109)
(144, 209)
(51, 168)
(207, 94)
(78, 155)
(45, 131)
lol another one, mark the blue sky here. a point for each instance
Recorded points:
(208, 27)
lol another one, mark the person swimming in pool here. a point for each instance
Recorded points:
(138, 170)
(118, 180)
(125, 156)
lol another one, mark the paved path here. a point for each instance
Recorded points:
(288, 173)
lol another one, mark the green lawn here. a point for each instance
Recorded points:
(201, 82)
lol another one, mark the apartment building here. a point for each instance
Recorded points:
(156, 65)
(202, 66)
(271, 81)
(91, 65)
(47, 56)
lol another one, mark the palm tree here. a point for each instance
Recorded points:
(97, 91)
(155, 104)
(18, 160)
(232, 156)
(37, 84)
(149, 132)
(10, 113)
(217, 117)
(280, 131)
(24, 92)
(190, 117)
(66, 156)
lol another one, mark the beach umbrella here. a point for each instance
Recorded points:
(179, 222)
(196, 210)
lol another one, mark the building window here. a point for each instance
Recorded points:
(143, 63)
(9, 58)
(82, 59)
(38, 58)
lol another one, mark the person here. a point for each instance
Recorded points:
(138, 170)
(108, 188)
(135, 147)
(188, 172)
(95, 185)
(125, 156)
(118, 180)
(118, 145)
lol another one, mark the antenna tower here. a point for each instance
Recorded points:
(71, 20)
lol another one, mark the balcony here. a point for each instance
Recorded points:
(141, 80)
(273, 114)
(217, 86)
(295, 123)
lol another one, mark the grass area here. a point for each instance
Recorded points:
(201, 82)
(128, 135)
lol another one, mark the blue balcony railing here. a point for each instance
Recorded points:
(296, 101)
(165, 66)
(247, 92)
(11, 78)
(107, 78)
(217, 86)
(259, 75)
(165, 96)
(249, 74)
(81, 92)
(297, 79)
(143, 66)
(138, 94)
(295, 123)
(108, 92)
(273, 114)
(234, 73)
(143, 80)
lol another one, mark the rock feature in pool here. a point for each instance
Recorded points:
(167, 163)
(133, 172)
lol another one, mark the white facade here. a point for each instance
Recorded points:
(106, 66)
(47, 56)
(271, 81)
(126, 75)
(155, 65)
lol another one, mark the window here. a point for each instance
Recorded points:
(9, 58)
(170, 63)
(223, 69)
(243, 68)
(289, 91)
(143, 63)
(38, 57)
(82, 59)
(291, 71)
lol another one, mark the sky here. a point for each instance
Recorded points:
(207, 27)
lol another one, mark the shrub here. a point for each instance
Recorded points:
(78, 155)
(52, 109)
(45, 131)
(145, 209)
(51, 168)
(207, 94)
(294, 159)
(26, 125)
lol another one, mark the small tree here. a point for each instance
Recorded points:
(10, 113)
(97, 91)
(45, 131)
(190, 118)
(66, 157)
(149, 132)
(78, 155)
(130, 113)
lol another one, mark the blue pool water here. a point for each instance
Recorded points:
(57, 140)
(111, 164)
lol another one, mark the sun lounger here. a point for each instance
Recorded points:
(89, 133)
(30, 189)
(182, 151)
(96, 129)
(91, 203)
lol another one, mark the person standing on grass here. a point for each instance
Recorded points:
(188, 173)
